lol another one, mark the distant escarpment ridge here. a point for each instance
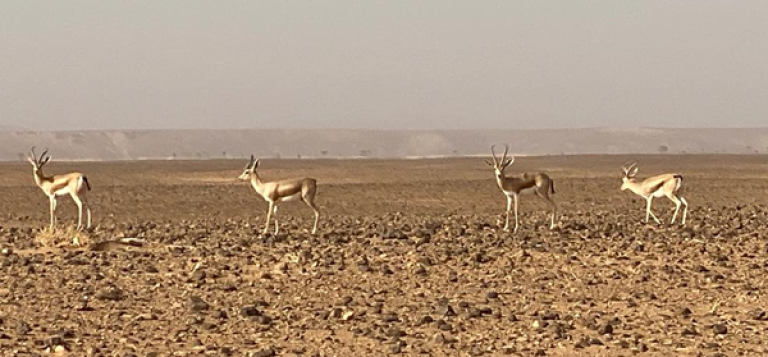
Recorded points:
(218, 144)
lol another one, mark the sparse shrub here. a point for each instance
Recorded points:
(62, 237)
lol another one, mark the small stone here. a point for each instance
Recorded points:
(111, 294)
(446, 310)
(720, 329)
(395, 332)
(249, 311)
(267, 352)
(425, 320)
(492, 295)
(59, 349)
(23, 328)
(759, 315)
(197, 304)
(395, 348)
(605, 329)
(685, 312)
(476, 351)
(198, 276)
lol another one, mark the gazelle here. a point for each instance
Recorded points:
(669, 185)
(75, 184)
(512, 187)
(274, 192)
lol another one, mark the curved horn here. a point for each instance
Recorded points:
(628, 169)
(34, 156)
(494, 154)
(250, 162)
(506, 150)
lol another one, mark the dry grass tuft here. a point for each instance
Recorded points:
(62, 237)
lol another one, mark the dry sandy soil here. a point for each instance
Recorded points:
(409, 260)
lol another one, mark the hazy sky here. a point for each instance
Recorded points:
(382, 64)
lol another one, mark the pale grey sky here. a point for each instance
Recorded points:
(382, 64)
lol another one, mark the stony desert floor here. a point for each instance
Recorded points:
(409, 260)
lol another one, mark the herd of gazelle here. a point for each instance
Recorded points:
(76, 185)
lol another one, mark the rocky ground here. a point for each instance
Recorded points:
(409, 260)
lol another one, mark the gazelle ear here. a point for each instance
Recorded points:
(45, 161)
(508, 162)
(256, 164)
(487, 162)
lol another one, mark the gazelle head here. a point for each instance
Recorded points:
(500, 164)
(38, 162)
(249, 169)
(629, 175)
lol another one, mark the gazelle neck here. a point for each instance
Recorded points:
(636, 187)
(40, 178)
(500, 178)
(256, 182)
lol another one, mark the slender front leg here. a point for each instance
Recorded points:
(53, 210)
(648, 211)
(509, 208)
(516, 220)
(277, 225)
(269, 216)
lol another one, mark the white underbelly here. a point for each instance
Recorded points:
(62, 191)
(523, 192)
(294, 197)
(659, 193)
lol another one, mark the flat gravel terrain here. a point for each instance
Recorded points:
(409, 260)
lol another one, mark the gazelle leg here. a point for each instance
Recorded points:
(88, 211)
(517, 223)
(311, 204)
(649, 212)
(509, 208)
(79, 204)
(677, 207)
(53, 211)
(552, 203)
(269, 216)
(685, 209)
(274, 214)
(554, 212)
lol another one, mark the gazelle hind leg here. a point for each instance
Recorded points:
(677, 207)
(79, 204)
(308, 196)
(685, 209)
(545, 196)
(311, 203)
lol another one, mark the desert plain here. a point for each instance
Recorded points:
(409, 260)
